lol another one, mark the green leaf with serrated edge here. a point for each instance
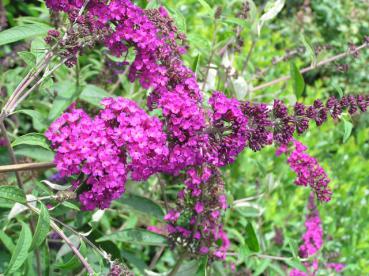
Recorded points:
(347, 130)
(20, 252)
(142, 205)
(13, 193)
(297, 80)
(22, 32)
(7, 241)
(32, 139)
(42, 227)
(251, 239)
(93, 95)
(74, 262)
(136, 236)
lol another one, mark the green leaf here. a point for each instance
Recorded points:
(339, 90)
(37, 120)
(13, 193)
(136, 236)
(195, 65)
(28, 58)
(310, 49)
(188, 268)
(272, 10)
(70, 205)
(207, 7)
(201, 271)
(93, 95)
(66, 95)
(7, 241)
(42, 227)
(348, 129)
(251, 239)
(22, 32)
(293, 246)
(295, 263)
(143, 205)
(20, 252)
(298, 80)
(32, 139)
(38, 154)
(38, 48)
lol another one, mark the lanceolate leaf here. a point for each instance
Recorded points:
(20, 252)
(143, 205)
(93, 95)
(348, 129)
(7, 241)
(38, 122)
(42, 228)
(32, 139)
(309, 48)
(12, 193)
(22, 32)
(136, 236)
(298, 80)
(251, 239)
(272, 11)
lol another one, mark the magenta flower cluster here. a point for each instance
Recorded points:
(121, 139)
(312, 242)
(308, 170)
(229, 130)
(201, 203)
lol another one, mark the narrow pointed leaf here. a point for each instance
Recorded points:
(20, 252)
(12, 193)
(22, 32)
(297, 80)
(348, 129)
(142, 205)
(42, 227)
(251, 239)
(136, 236)
(7, 241)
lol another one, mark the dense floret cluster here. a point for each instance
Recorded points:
(121, 139)
(312, 242)
(196, 221)
(308, 170)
